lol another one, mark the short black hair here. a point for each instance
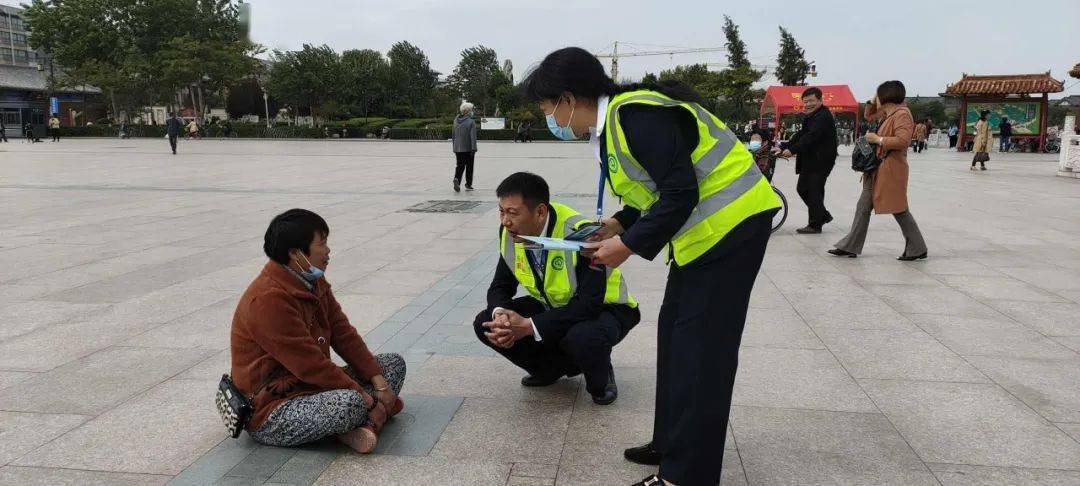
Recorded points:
(532, 188)
(811, 91)
(983, 114)
(891, 92)
(293, 229)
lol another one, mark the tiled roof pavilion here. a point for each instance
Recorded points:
(1005, 84)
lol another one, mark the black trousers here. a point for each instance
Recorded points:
(952, 140)
(55, 134)
(811, 188)
(700, 329)
(584, 348)
(3, 134)
(464, 164)
(172, 142)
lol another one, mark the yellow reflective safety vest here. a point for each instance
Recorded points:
(560, 279)
(730, 186)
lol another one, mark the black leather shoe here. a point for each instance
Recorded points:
(905, 258)
(842, 253)
(644, 454)
(611, 392)
(457, 185)
(536, 381)
(828, 219)
(653, 480)
(809, 230)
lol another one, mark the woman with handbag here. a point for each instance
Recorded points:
(885, 189)
(982, 141)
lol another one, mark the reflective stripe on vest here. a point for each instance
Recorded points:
(724, 169)
(560, 277)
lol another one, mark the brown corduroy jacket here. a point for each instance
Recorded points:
(281, 327)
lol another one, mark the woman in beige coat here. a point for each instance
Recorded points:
(982, 141)
(885, 189)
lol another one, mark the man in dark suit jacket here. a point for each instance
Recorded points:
(814, 147)
(172, 129)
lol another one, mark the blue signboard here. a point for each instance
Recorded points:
(54, 105)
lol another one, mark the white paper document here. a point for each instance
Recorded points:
(553, 243)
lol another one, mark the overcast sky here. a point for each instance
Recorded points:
(924, 43)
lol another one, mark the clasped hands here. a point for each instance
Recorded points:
(507, 327)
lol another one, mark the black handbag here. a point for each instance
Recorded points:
(864, 157)
(234, 407)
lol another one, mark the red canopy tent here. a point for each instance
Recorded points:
(783, 100)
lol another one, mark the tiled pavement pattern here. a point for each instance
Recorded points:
(120, 266)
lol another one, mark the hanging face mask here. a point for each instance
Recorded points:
(755, 145)
(561, 133)
(313, 273)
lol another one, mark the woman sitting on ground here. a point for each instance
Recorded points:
(282, 332)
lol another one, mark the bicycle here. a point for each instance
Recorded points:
(768, 171)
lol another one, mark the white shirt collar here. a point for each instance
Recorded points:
(601, 114)
(601, 120)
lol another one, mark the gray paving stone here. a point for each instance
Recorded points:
(947, 423)
(1051, 319)
(23, 476)
(415, 431)
(262, 463)
(480, 430)
(796, 378)
(970, 336)
(23, 432)
(8, 378)
(159, 432)
(999, 288)
(964, 475)
(1072, 429)
(218, 461)
(98, 382)
(897, 355)
(917, 299)
(781, 328)
(1050, 387)
(487, 377)
(800, 466)
(414, 471)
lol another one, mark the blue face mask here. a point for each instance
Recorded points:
(755, 145)
(314, 273)
(561, 133)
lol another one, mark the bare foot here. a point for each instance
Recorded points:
(361, 440)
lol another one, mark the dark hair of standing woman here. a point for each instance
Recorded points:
(983, 114)
(891, 92)
(577, 71)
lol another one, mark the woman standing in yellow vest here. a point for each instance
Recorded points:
(689, 186)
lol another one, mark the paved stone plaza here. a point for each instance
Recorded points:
(120, 266)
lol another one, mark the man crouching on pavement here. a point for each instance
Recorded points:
(574, 314)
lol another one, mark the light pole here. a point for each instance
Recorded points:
(266, 107)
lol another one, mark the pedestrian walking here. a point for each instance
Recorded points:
(464, 146)
(1005, 131)
(54, 128)
(814, 147)
(689, 186)
(884, 190)
(172, 130)
(920, 137)
(3, 129)
(981, 147)
(193, 129)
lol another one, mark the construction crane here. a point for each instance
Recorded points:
(614, 55)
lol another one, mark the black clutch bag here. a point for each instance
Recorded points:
(234, 408)
(864, 157)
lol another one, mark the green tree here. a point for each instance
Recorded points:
(933, 109)
(411, 81)
(477, 76)
(791, 65)
(737, 80)
(649, 78)
(364, 75)
(309, 78)
(144, 52)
